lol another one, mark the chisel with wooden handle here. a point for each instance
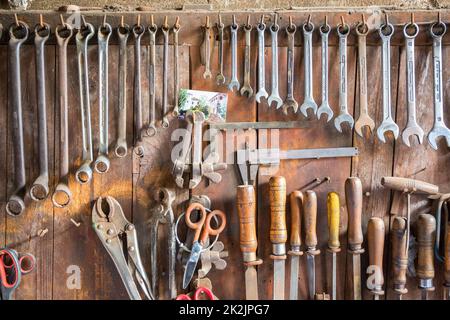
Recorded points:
(278, 233)
(246, 206)
(399, 255)
(310, 221)
(333, 239)
(353, 198)
(426, 229)
(375, 241)
(296, 202)
(447, 264)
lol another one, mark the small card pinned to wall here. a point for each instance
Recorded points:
(212, 104)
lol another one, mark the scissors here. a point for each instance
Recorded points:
(196, 296)
(203, 230)
(12, 266)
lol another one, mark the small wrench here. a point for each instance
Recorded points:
(388, 123)
(412, 128)
(261, 27)
(138, 31)
(101, 164)
(206, 49)
(364, 120)
(18, 34)
(290, 102)
(198, 120)
(234, 83)
(439, 127)
(84, 172)
(325, 106)
(165, 120)
(152, 29)
(274, 94)
(220, 78)
(309, 102)
(39, 190)
(176, 71)
(247, 88)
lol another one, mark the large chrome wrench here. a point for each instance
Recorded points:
(138, 31)
(18, 34)
(388, 123)
(290, 102)
(165, 107)
(262, 93)
(274, 94)
(62, 196)
(325, 106)
(247, 87)
(234, 83)
(344, 117)
(308, 102)
(101, 164)
(84, 172)
(412, 128)
(176, 67)
(439, 128)
(39, 190)
(151, 130)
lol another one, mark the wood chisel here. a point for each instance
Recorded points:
(333, 239)
(296, 201)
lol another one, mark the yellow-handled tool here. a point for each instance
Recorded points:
(334, 212)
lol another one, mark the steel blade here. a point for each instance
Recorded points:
(191, 264)
(333, 277)
(356, 277)
(311, 271)
(447, 293)
(293, 287)
(251, 283)
(424, 294)
(278, 279)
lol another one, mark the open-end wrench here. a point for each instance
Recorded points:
(290, 102)
(18, 33)
(198, 120)
(62, 196)
(138, 31)
(152, 29)
(439, 128)
(262, 93)
(274, 94)
(101, 164)
(308, 102)
(176, 70)
(412, 128)
(39, 190)
(386, 31)
(84, 172)
(220, 78)
(343, 117)
(247, 88)
(121, 148)
(165, 103)
(325, 106)
(234, 83)
(364, 120)
(206, 49)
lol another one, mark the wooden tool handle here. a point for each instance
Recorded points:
(353, 198)
(277, 195)
(409, 185)
(246, 206)
(399, 254)
(447, 257)
(426, 229)
(296, 202)
(375, 241)
(334, 209)
(310, 214)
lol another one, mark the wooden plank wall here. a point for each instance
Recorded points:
(65, 246)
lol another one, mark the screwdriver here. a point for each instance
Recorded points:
(333, 240)
(375, 240)
(426, 228)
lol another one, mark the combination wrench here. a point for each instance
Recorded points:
(206, 49)
(234, 82)
(325, 105)
(18, 33)
(343, 31)
(102, 163)
(262, 93)
(220, 78)
(152, 29)
(308, 102)
(86, 32)
(62, 195)
(247, 88)
(176, 72)
(386, 31)
(138, 31)
(274, 94)
(39, 190)
(290, 102)
(439, 128)
(165, 108)
(412, 128)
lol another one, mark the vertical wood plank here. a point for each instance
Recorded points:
(4, 139)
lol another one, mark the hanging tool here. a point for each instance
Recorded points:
(290, 102)
(426, 228)
(212, 257)
(165, 102)
(246, 206)
(220, 77)
(119, 238)
(12, 266)
(247, 87)
(176, 67)
(205, 48)
(163, 214)
(399, 255)
(325, 106)
(447, 264)
(274, 93)
(310, 221)
(309, 102)
(196, 295)
(152, 30)
(353, 198)
(203, 229)
(334, 213)
(234, 83)
(138, 31)
(296, 202)
(375, 242)
(262, 93)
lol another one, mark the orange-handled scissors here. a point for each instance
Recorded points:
(203, 230)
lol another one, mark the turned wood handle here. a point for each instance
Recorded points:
(310, 216)
(277, 196)
(246, 206)
(409, 185)
(375, 242)
(447, 257)
(353, 198)
(334, 209)
(426, 229)
(296, 202)
(399, 253)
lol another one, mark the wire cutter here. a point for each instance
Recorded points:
(119, 238)
(12, 266)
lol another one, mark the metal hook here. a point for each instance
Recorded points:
(207, 22)
(234, 20)
(386, 18)
(308, 22)
(326, 20)
(83, 21)
(262, 19)
(104, 21)
(138, 23)
(41, 21)
(165, 25)
(16, 19)
(121, 22)
(412, 18)
(248, 20)
(290, 23)
(342, 21)
(177, 23)
(275, 19)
